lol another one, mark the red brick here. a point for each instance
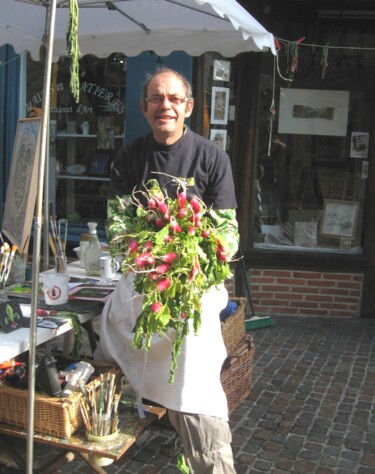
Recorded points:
(336, 291)
(351, 284)
(306, 275)
(262, 280)
(319, 298)
(278, 273)
(290, 281)
(337, 276)
(290, 296)
(322, 283)
(304, 289)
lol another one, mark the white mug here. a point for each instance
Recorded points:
(108, 266)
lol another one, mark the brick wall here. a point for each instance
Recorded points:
(305, 293)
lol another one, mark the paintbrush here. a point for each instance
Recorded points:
(9, 264)
(4, 261)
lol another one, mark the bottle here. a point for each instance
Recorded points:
(83, 244)
(46, 375)
(81, 375)
(92, 254)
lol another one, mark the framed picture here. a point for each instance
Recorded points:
(339, 218)
(359, 145)
(221, 70)
(99, 164)
(22, 184)
(219, 137)
(313, 112)
(219, 105)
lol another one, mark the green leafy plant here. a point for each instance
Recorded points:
(176, 254)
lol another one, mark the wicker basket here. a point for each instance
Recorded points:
(233, 327)
(59, 417)
(236, 373)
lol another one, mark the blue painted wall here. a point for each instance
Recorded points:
(137, 69)
(9, 106)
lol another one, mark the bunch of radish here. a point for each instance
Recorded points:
(176, 255)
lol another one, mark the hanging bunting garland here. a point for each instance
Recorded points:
(272, 107)
(324, 61)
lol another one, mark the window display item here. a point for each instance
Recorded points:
(93, 251)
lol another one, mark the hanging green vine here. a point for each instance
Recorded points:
(324, 61)
(73, 48)
(77, 329)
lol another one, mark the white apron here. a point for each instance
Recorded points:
(197, 387)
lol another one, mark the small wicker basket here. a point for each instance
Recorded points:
(236, 373)
(233, 327)
(59, 417)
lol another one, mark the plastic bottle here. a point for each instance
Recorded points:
(92, 254)
(81, 375)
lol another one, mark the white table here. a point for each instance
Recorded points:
(17, 342)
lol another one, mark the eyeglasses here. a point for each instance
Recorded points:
(159, 99)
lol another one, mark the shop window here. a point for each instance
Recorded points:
(312, 163)
(84, 136)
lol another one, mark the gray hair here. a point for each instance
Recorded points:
(161, 70)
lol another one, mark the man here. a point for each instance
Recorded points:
(196, 402)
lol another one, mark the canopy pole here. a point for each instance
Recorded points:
(51, 16)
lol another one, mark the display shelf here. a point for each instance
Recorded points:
(83, 178)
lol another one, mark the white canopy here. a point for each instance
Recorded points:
(134, 26)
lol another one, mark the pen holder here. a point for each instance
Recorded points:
(61, 263)
(100, 460)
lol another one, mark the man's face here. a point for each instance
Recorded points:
(163, 112)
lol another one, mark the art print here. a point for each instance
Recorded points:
(22, 184)
(313, 112)
(220, 105)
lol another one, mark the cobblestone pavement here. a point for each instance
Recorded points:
(311, 409)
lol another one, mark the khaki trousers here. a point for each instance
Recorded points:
(206, 441)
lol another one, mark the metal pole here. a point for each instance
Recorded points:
(50, 29)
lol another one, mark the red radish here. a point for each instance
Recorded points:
(169, 257)
(206, 233)
(195, 270)
(194, 203)
(167, 238)
(183, 314)
(152, 203)
(159, 223)
(162, 268)
(191, 230)
(163, 284)
(221, 255)
(163, 207)
(182, 213)
(181, 199)
(148, 245)
(133, 246)
(144, 259)
(156, 307)
(175, 226)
